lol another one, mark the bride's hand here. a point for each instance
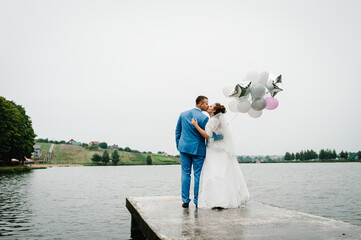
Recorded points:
(194, 122)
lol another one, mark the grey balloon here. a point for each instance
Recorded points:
(258, 104)
(258, 90)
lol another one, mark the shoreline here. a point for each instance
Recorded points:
(47, 165)
(318, 161)
(29, 167)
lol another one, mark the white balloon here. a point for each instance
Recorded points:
(232, 105)
(252, 76)
(243, 106)
(263, 78)
(254, 113)
(258, 90)
(227, 90)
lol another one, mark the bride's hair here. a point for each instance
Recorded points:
(219, 108)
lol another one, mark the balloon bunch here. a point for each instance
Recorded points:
(261, 87)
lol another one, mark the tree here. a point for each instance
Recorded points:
(287, 156)
(105, 157)
(16, 132)
(341, 154)
(115, 157)
(302, 155)
(96, 158)
(93, 147)
(344, 155)
(321, 155)
(149, 160)
(359, 155)
(103, 145)
(334, 154)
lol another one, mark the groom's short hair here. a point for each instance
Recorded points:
(200, 99)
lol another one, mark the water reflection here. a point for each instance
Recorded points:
(15, 214)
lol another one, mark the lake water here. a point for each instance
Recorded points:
(89, 202)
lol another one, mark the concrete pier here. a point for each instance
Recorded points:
(164, 218)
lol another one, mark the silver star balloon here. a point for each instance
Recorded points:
(275, 86)
(241, 90)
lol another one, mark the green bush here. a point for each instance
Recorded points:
(115, 157)
(105, 157)
(149, 160)
(96, 158)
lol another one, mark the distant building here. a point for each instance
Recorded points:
(114, 147)
(37, 152)
(94, 142)
(76, 143)
(71, 141)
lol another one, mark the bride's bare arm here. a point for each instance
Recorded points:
(200, 130)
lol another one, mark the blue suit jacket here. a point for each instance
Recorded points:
(187, 137)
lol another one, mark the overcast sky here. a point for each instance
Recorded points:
(122, 71)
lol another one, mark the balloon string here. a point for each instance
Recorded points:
(233, 118)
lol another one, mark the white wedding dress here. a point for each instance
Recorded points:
(221, 183)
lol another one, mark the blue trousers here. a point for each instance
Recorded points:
(186, 162)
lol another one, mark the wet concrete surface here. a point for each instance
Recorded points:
(162, 217)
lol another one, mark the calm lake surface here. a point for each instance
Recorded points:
(89, 202)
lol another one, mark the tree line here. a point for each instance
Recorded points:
(45, 140)
(267, 158)
(115, 158)
(105, 159)
(324, 154)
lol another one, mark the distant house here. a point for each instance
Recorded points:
(71, 141)
(76, 143)
(114, 147)
(37, 151)
(94, 142)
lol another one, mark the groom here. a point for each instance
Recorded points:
(191, 146)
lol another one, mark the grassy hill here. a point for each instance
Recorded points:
(69, 154)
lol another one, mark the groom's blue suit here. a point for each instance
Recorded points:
(192, 148)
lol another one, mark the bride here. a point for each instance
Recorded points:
(221, 183)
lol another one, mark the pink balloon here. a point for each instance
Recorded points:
(271, 103)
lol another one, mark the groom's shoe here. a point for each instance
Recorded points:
(185, 205)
